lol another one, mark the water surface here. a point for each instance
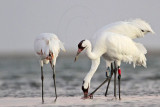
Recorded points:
(20, 78)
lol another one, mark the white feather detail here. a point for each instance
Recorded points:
(130, 28)
(45, 43)
(141, 48)
(121, 48)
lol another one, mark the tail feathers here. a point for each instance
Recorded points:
(127, 59)
(141, 48)
(141, 60)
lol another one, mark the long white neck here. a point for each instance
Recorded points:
(92, 54)
(95, 57)
(94, 66)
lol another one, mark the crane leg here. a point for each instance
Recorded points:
(42, 78)
(91, 95)
(54, 78)
(109, 80)
(119, 82)
(115, 73)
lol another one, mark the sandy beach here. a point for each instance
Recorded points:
(77, 101)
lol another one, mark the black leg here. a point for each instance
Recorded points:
(115, 73)
(108, 72)
(119, 82)
(91, 95)
(109, 80)
(42, 78)
(54, 78)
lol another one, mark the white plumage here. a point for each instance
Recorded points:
(114, 42)
(133, 28)
(47, 47)
(45, 43)
(121, 48)
(113, 47)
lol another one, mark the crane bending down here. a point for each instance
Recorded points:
(47, 46)
(114, 42)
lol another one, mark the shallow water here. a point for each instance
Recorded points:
(20, 77)
(100, 101)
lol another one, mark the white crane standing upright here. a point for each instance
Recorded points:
(47, 47)
(114, 42)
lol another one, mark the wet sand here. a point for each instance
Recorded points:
(77, 101)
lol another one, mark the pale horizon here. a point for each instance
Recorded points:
(71, 20)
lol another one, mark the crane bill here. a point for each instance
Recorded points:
(76, 56)
(78, 52)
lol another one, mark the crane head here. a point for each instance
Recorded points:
(80, 49)
(85, 91)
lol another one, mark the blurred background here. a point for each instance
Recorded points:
(72, 20)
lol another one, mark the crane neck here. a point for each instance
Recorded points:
(93, 54)
(94, 66)
(95, 57)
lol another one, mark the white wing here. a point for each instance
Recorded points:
(124, 49)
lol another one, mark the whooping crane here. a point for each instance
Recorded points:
(114, 42)
(47, 47)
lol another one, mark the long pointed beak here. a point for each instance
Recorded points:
(78, 52)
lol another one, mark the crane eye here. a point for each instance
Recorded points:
(142, 30)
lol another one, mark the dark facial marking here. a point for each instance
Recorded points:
(142, 30)
(84, 90)
(80, 45)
